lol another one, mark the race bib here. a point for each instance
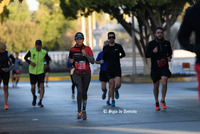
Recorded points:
(161, 62)
(80, 65)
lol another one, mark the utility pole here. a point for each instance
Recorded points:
(133, 46)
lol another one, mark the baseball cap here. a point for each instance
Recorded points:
(2, 45)
(79, 35)
(38, 42)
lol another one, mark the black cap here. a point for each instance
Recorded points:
(38, 42)
(79, 35)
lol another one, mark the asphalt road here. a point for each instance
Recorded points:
(134, 111)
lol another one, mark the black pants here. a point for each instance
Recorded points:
(82, 82)
(73, 85)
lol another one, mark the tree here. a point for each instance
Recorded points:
(3, 9)
(17, 31)
(52, 23)
(19, 36)
(149, 14)
(19, 12)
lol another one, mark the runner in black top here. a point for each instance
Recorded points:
(191, 23)
(160, 52)
(5, 70)
(113, 52)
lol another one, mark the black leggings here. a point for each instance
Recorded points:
(82, 82)
(73, 85)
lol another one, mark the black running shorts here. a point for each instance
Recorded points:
(156, 74)
(113, 73)
(36, 78)
(47, 70)
(102, 76)
(15, 72)
(5, 77)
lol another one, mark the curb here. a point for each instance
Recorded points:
(149, 80)
(56, 78)
(125, 79)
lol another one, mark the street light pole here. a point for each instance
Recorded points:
(133, 46)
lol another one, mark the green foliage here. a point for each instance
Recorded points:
(19, 36)
(19, 11)
(52, 23)
(17, 31)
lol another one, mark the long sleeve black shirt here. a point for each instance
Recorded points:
(191, 23)
(164, 51)
(113, 54)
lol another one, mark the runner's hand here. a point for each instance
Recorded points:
(32, 64)
(72, 61)
(83, 51)
(101, 61)
(155, 50)
(169, 59)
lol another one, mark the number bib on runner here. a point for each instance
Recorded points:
(161, 62)
(80, 65)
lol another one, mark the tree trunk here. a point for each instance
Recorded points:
(147, 65)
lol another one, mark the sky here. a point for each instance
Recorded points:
(33, 5)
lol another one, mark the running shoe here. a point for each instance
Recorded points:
(116, 94)
(34, 100)
(157, 107)
(108, 103)
(103, 96)
(40, 104)
(79, 116)
(73, 97)
(6, 107)
(163, 104)
(113, 104)
(84, 116)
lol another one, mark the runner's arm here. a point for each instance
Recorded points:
(185, 32)
(48, 58)
(122, 52)
(104, 54)
(26, 57)
(90, 58)
(13, 59)
(149, 52)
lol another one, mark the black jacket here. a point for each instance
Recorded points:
(191, 23)
(4, 58)
(164, 51)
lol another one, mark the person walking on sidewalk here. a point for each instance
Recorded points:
(5, 70)
(102, 74)
(16, 70)
(36, 69)
(191, 22)
(160, 52)
(81, 55)
(113, 53)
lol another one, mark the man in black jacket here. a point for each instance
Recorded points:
(191, 23)
(160, 52)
